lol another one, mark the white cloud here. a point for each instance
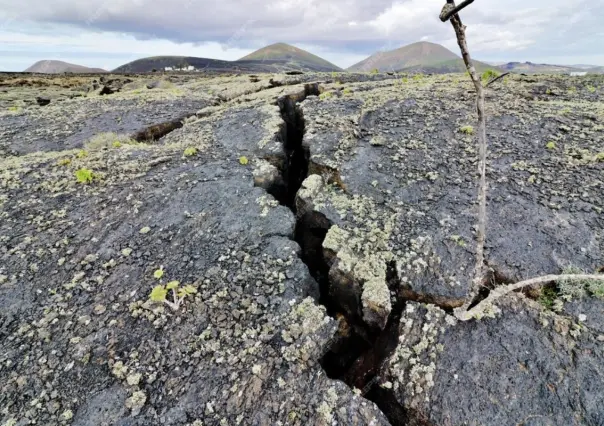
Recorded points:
(342, 29)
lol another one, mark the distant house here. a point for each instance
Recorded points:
(190, 68)
(168, 69)
(578, 73)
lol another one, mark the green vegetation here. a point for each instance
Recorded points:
(591, 89)
(64, 162)
(489, 74)
(107, 140)
(458, 240)
(347, 91)
(374, 71)
(159, 273)
(15, 109)
(548, 297)
(243, 160)
(551, 145)
(570, 289)
(160, 294)
(189, 152)
(82, 154)
(468, 130)
(325, 95)
(84, 175)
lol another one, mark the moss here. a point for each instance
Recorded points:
(243, 160)
(325, 95)
(347, 91)
(551, 145)
(107, 140)
(64, 162)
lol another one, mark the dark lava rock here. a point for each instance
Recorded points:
(42, 101)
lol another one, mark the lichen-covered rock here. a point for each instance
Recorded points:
(527, 363)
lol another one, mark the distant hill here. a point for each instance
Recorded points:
(291, 54)
(532, 68)
(275, 58)
(417, 57)
(415, 54)
(58, 67)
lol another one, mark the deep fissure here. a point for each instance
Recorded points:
(358, 353)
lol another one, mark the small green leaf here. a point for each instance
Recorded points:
(243, 160)
(158, 294)
(190, 289)
(182, 293)
(159, 273)
(172, 284)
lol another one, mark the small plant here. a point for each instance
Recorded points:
(468, 130)
(548, 297)
(325, 95)
(243, 160)
(84, 175)
(551, 145)
(591, 89)
(488, 75)
(160, 294)
(418, 77)
(14, 109)
(64, 162)
(189, 152)
(375, 71)
(570, 289)
(600, 157)
(458, 240)
(347, 91)
(159, 273)
(82, 154)
(117, 144)
(334, 74)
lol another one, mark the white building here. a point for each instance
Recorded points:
(168, 69)
(578, 73)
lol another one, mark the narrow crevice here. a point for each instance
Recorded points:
(157, 131)
(358, 353)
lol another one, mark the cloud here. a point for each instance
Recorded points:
(344, 29)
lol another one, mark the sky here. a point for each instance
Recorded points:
(109, 33)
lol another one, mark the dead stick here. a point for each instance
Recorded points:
(482, 156)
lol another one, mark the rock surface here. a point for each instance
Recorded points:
(325, 226)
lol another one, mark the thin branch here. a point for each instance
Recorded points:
(480, 309)
(482, 156)
(499, 77)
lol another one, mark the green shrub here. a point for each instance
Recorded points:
(190, 151)
(468, 130)
(325, 95)
(374, 71)
(551, 145)
(488, 75)
(84, 175)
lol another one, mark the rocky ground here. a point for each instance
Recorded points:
(321, 230)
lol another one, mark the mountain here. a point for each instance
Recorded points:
(532, 68)
(290, 54)
(278, 57)
(58, 67)
(419, 57)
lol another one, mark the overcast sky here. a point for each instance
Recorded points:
(108, 33)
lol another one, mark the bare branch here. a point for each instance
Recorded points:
(480, 309)
(482, 156)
